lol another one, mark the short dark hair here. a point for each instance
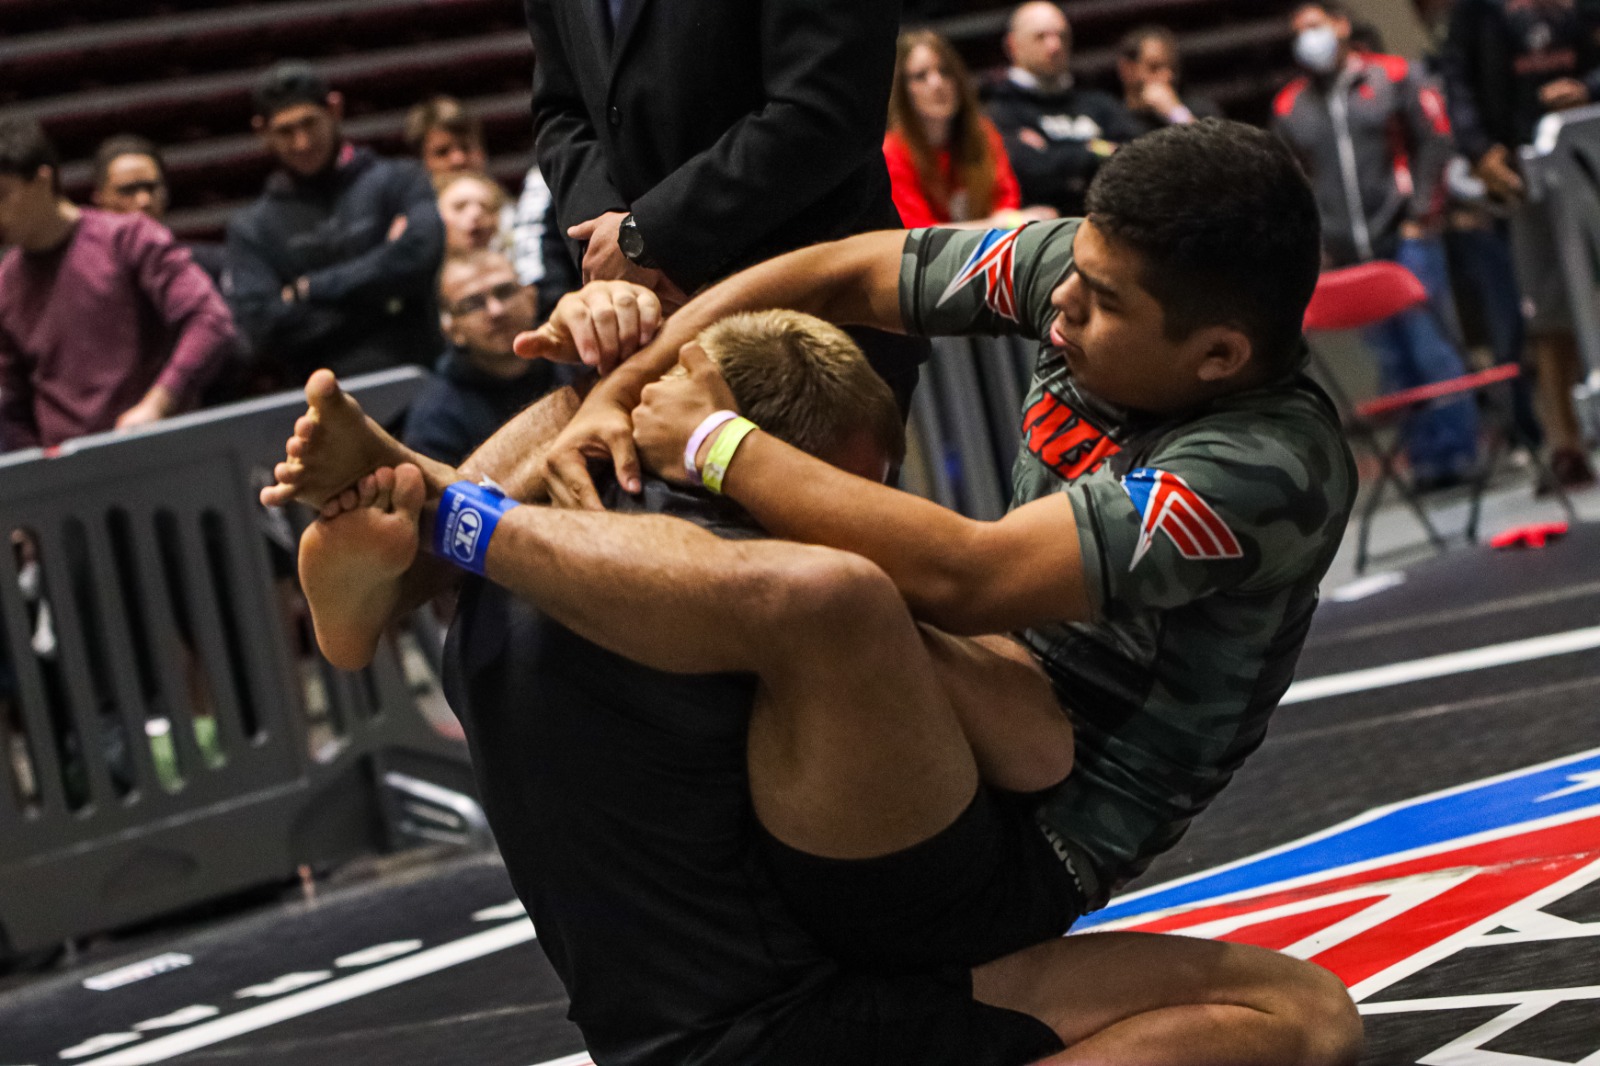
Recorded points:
(24, 149)
(1133, 41)
(1226, 225)
(441, 113)
(114, 148)
(288, 84)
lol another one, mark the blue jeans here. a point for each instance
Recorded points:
(1414, 349)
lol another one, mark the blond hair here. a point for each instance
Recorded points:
(445, 182)
(805, 382)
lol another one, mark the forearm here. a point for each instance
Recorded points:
(852, 282)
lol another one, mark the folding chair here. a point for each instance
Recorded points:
(1365, 295)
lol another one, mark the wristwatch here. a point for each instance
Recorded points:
(631, 241)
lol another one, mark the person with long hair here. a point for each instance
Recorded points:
(947, 163)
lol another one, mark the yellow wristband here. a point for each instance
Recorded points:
(721, 454)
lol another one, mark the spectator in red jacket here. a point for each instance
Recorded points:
(947, 163)
(105, 322)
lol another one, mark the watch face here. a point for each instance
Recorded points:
(630, 240)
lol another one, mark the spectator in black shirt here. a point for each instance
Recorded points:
(1507, 64)
(334, 266)
(480, 383)
(1056, 133)
(1147, 64)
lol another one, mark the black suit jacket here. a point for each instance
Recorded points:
(733, 129)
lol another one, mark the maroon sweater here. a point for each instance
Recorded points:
(89, 326)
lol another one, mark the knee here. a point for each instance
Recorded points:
(833, 596)
(1327, 1018)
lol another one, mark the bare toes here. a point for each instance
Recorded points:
(409, 491)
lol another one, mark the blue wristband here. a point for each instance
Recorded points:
(465, 521)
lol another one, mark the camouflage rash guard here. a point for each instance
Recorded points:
(1203, 539)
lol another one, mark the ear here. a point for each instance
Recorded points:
(259, 125)
(447, 326)
(336, 105)
(1225, 354)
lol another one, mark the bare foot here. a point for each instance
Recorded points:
(334, 445)
(352, 562)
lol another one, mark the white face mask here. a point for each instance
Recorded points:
(1317, 50)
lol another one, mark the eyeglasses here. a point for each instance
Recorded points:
(134, 188)
(502, 293)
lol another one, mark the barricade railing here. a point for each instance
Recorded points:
(1562, 169)
(964, 423)
(170, 733)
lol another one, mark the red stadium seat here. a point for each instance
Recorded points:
(1365, 295)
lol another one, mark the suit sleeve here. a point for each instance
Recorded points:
(401, 267)
(569, 152)
(826, 68)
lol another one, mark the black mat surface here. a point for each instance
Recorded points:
(1323, 762)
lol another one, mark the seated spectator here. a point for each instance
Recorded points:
(130, 175)
(1375, 141)
(471, 206)
(1147, 64)
(105, 322)
(946, 161)
(449, 140)
(334, 266)
(480, 382)
(1056, 133)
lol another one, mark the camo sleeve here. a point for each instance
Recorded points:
(1234, 502)
(956, 281)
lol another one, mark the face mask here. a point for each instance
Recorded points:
(1317, 50)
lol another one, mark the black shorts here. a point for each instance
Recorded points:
(987, 886)
(902, 1020)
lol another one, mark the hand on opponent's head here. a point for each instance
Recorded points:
(600, 326)
(671, 410)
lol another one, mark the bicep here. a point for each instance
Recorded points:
(1027, 569)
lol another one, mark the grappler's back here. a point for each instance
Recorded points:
(620, 801)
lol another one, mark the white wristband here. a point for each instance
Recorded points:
(712, 423)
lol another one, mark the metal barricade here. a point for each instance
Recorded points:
(172, 735)
(964, 421)
(1562, 169)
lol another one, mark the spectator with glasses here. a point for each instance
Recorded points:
(131, 175)
(479, 382)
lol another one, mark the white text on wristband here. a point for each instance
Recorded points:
(467, 517)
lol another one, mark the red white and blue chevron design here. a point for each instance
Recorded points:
(995, 262)
(1167, 504)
